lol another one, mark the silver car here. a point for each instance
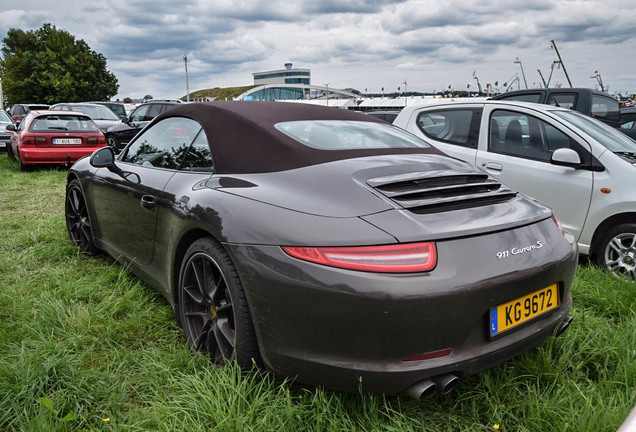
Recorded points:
(582, 168)
(5, 135)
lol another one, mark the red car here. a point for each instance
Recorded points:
(53, 137)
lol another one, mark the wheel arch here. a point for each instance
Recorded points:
(184, 243)
(612, 221)
(72, 176)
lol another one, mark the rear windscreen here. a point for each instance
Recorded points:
(66, 123)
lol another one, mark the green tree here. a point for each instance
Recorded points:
(48, 65)
(147, 97)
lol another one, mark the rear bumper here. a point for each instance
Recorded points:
(35, 155)
(352, 330)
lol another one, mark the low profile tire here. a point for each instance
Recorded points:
(617, 251)
(112, 142)
(212, 308)
(77, 222)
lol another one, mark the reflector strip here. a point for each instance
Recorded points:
(429, 355)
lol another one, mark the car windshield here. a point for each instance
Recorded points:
(66, 123)
(5, 117)
(611, 138)
(347, 135)
(96, 112)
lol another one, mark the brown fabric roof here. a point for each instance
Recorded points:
(243, 139)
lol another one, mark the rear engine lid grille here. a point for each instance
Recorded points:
(441, 190)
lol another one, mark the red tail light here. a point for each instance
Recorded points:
(558, 223)
(97, 140)
(28, 140)
(399, 258)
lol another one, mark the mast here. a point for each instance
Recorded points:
(541, 75)
(561, 61)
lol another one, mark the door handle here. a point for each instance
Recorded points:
(148, 202)
(492, 166)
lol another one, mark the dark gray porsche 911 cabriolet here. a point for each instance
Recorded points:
(326, 245)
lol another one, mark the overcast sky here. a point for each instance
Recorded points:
(362, 44)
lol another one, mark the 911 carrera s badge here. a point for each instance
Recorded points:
(519, 251)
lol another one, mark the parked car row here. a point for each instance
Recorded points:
(118, 135)
(513, 142)
(110, 117)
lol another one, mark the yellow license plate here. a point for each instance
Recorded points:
(511, 314)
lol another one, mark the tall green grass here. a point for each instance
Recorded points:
(84, 345)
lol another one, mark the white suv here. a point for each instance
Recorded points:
(582, 168)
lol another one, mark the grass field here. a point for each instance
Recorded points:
(85, 345)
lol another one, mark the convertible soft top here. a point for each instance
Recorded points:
(243, 138)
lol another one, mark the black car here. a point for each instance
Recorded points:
(326, 245)
(628, 122)
(101, 115)
(121, 133)
(117, 107)
(594, 103)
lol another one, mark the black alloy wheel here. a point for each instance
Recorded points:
(112, 142)
(77, 222)
(618, 251)
(212, 308)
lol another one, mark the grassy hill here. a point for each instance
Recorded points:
(218, 93)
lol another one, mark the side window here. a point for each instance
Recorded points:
(199, 157)
(24, 121)
(531, 97)
(521, 135)
(139, 114)
(605, 108)
(563, 100)
(454, 126)
(164, 145)
(153, 111)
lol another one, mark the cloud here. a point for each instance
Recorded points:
(357, 43)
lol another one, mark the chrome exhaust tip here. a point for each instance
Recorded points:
(421, 390)
(446, 382)
(564, 325)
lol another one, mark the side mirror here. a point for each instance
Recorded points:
(103, 158)
(10, 127)
(565, 157)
